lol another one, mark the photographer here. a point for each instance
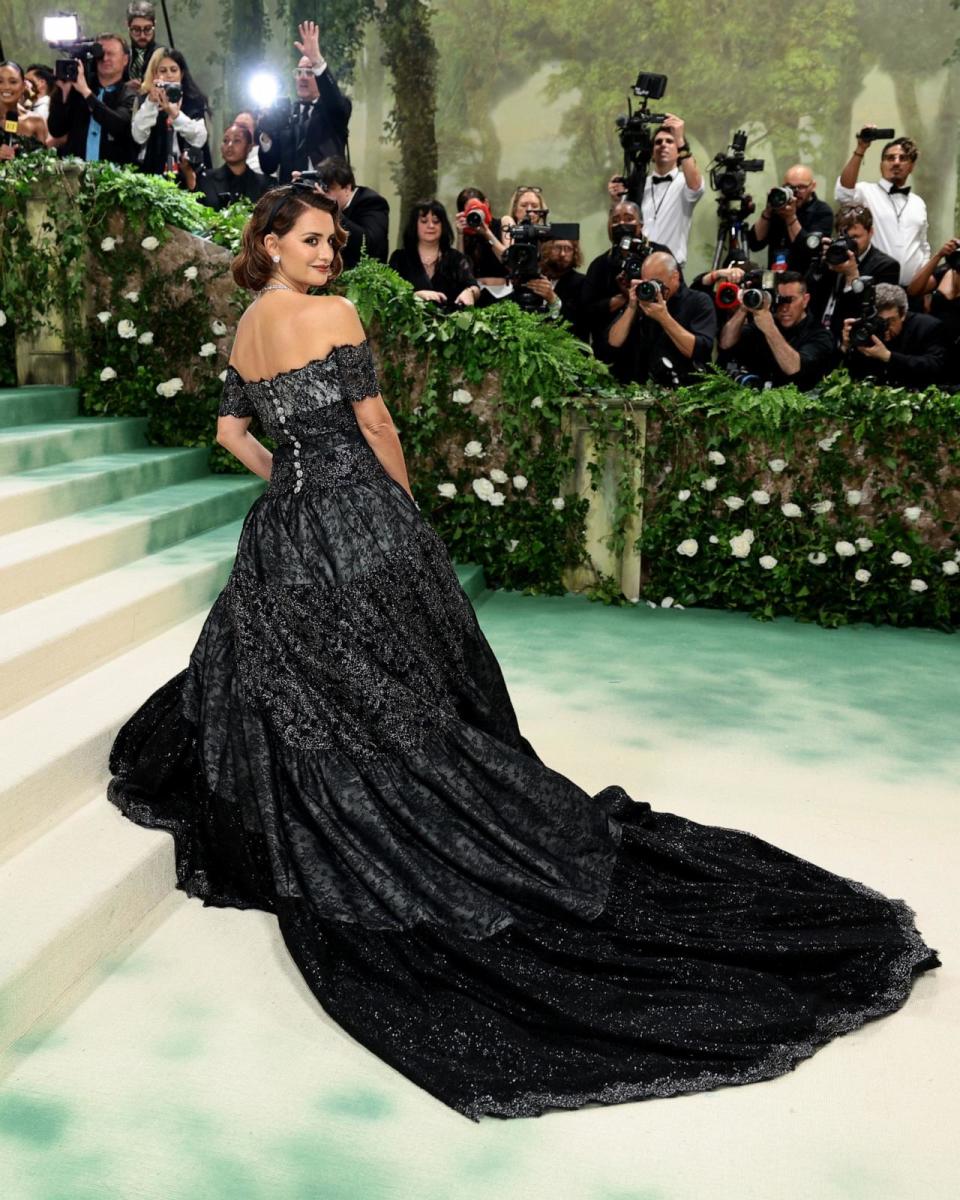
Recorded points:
(320, 119)
(790, 210)
(672, 190)
(428, 259)
(170, 114)
(560, 281)
(364, 213)
(605, 289)
(142, 26)
(220, 188)
(899, 215)
(666, 331)
(910, 352)
(93, 113)
(780, 343)
(840, 263)
(526, 204)
(29, 132)
(479, 237)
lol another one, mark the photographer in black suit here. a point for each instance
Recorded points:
(911, 350)
(319, 119)
(666, 331)
(791, 210)
(779, 343)
(93, 113)
(364, 213)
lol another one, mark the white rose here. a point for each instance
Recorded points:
(170, 387)
(713, 539)
(864, 544)
(684, 495)
(133, 297)
(749, 535)
(146, 339)
(950, 567)
(559, 503)
(520, 482)
(104, 317)
(688, 547)
(791, 510)
(709, 485)
(484, 488)
(190, 273)
(126, 329)
(862, 576)
(917, 585)
(900, 559)
(472, 450)
(767, 561)
(150, 243)
(740, 546)
(207, 349)
(462, 396)
(827, 442)
(499, 476)
(512, 545)
(845, 549)
(3, 318)
(107, 374)
(218, 328)
(817, 559)
(733, 502)
(821, 507)
(777, 465)
(912, 513)
(854, 496)
(447, 490)
(760, 496)
(223, 375)
(666, 602)
(108, 244)
(716, 458)
(497, 499)
(536, 402)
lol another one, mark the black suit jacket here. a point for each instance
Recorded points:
(217, 188)
(366, 220)
(816, 216)
(647, 349)
(879, 266)
(918, 355)
(325, 135)
(114, 112)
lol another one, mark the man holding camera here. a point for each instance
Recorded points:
(364, 213)
(666, 331)
(895, 347)
(778, 342)
(605, 289)
(319, 119)
(94, 113)
(791, 210)
(899, 215)
(141, 25)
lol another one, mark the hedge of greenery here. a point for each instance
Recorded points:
(835, 506)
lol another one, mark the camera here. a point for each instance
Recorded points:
(277, 118)
(312, 177)
(62, 33)
(869, 324)
(476, 214)
(838, 250)
(743, 377)
(649, 290)
(633, 251)
(636, 138)
(174, 91)
(756, 287)
(727, 295)
(728, 172)
(522, 257)
(952, 261)
(876, 135)
(779, 197)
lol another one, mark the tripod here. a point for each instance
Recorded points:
(732, 231)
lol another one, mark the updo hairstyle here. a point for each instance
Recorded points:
(277, 211)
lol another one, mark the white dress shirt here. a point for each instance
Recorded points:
(899, 223)
(667, 210)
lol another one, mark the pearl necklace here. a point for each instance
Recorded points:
(276, 287)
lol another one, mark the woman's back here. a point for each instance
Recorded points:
(281, 331)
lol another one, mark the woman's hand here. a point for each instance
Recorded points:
(467, 298)
(155, 96)
(438, 297)
(7, 153)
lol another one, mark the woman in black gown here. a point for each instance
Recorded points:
(341, 751)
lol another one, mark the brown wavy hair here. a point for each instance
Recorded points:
(277, 211)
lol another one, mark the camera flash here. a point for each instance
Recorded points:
(64, 27)
(263, 88)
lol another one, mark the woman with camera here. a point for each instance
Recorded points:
(479, 237)
(429, 261)
(526, 204)
(170, 114)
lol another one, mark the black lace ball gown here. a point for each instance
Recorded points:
(342, 751)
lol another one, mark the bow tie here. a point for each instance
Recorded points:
(903, 191)
(667, 178)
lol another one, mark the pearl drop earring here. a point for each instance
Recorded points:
(275, 257)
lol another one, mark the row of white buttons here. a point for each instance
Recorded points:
(282, 417)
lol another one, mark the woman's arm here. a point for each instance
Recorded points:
(144, 120)
(193, 130)
(380, 434)
(233, 435)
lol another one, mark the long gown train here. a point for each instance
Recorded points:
(342, 751)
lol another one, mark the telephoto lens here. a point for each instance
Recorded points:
(475, 219)
(839, 249)
(649, 289)
(727, 295)
(777, 197)
(752, 298)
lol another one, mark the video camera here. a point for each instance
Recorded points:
(869, 324)
(62, 32)
(728, 172)
(522, 257)
(635, 134)
(633, 252)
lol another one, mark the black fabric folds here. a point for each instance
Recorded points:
(342, 751)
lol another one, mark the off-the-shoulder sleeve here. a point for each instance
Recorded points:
(236, 400)
(358, 375)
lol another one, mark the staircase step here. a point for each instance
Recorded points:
(38, 402)
(56, 491)
(39, 561)
(29, 446)
(55, 750)
(53, 640)
(68, 899)
(471, 580)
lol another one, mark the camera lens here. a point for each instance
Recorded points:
(474, 219)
